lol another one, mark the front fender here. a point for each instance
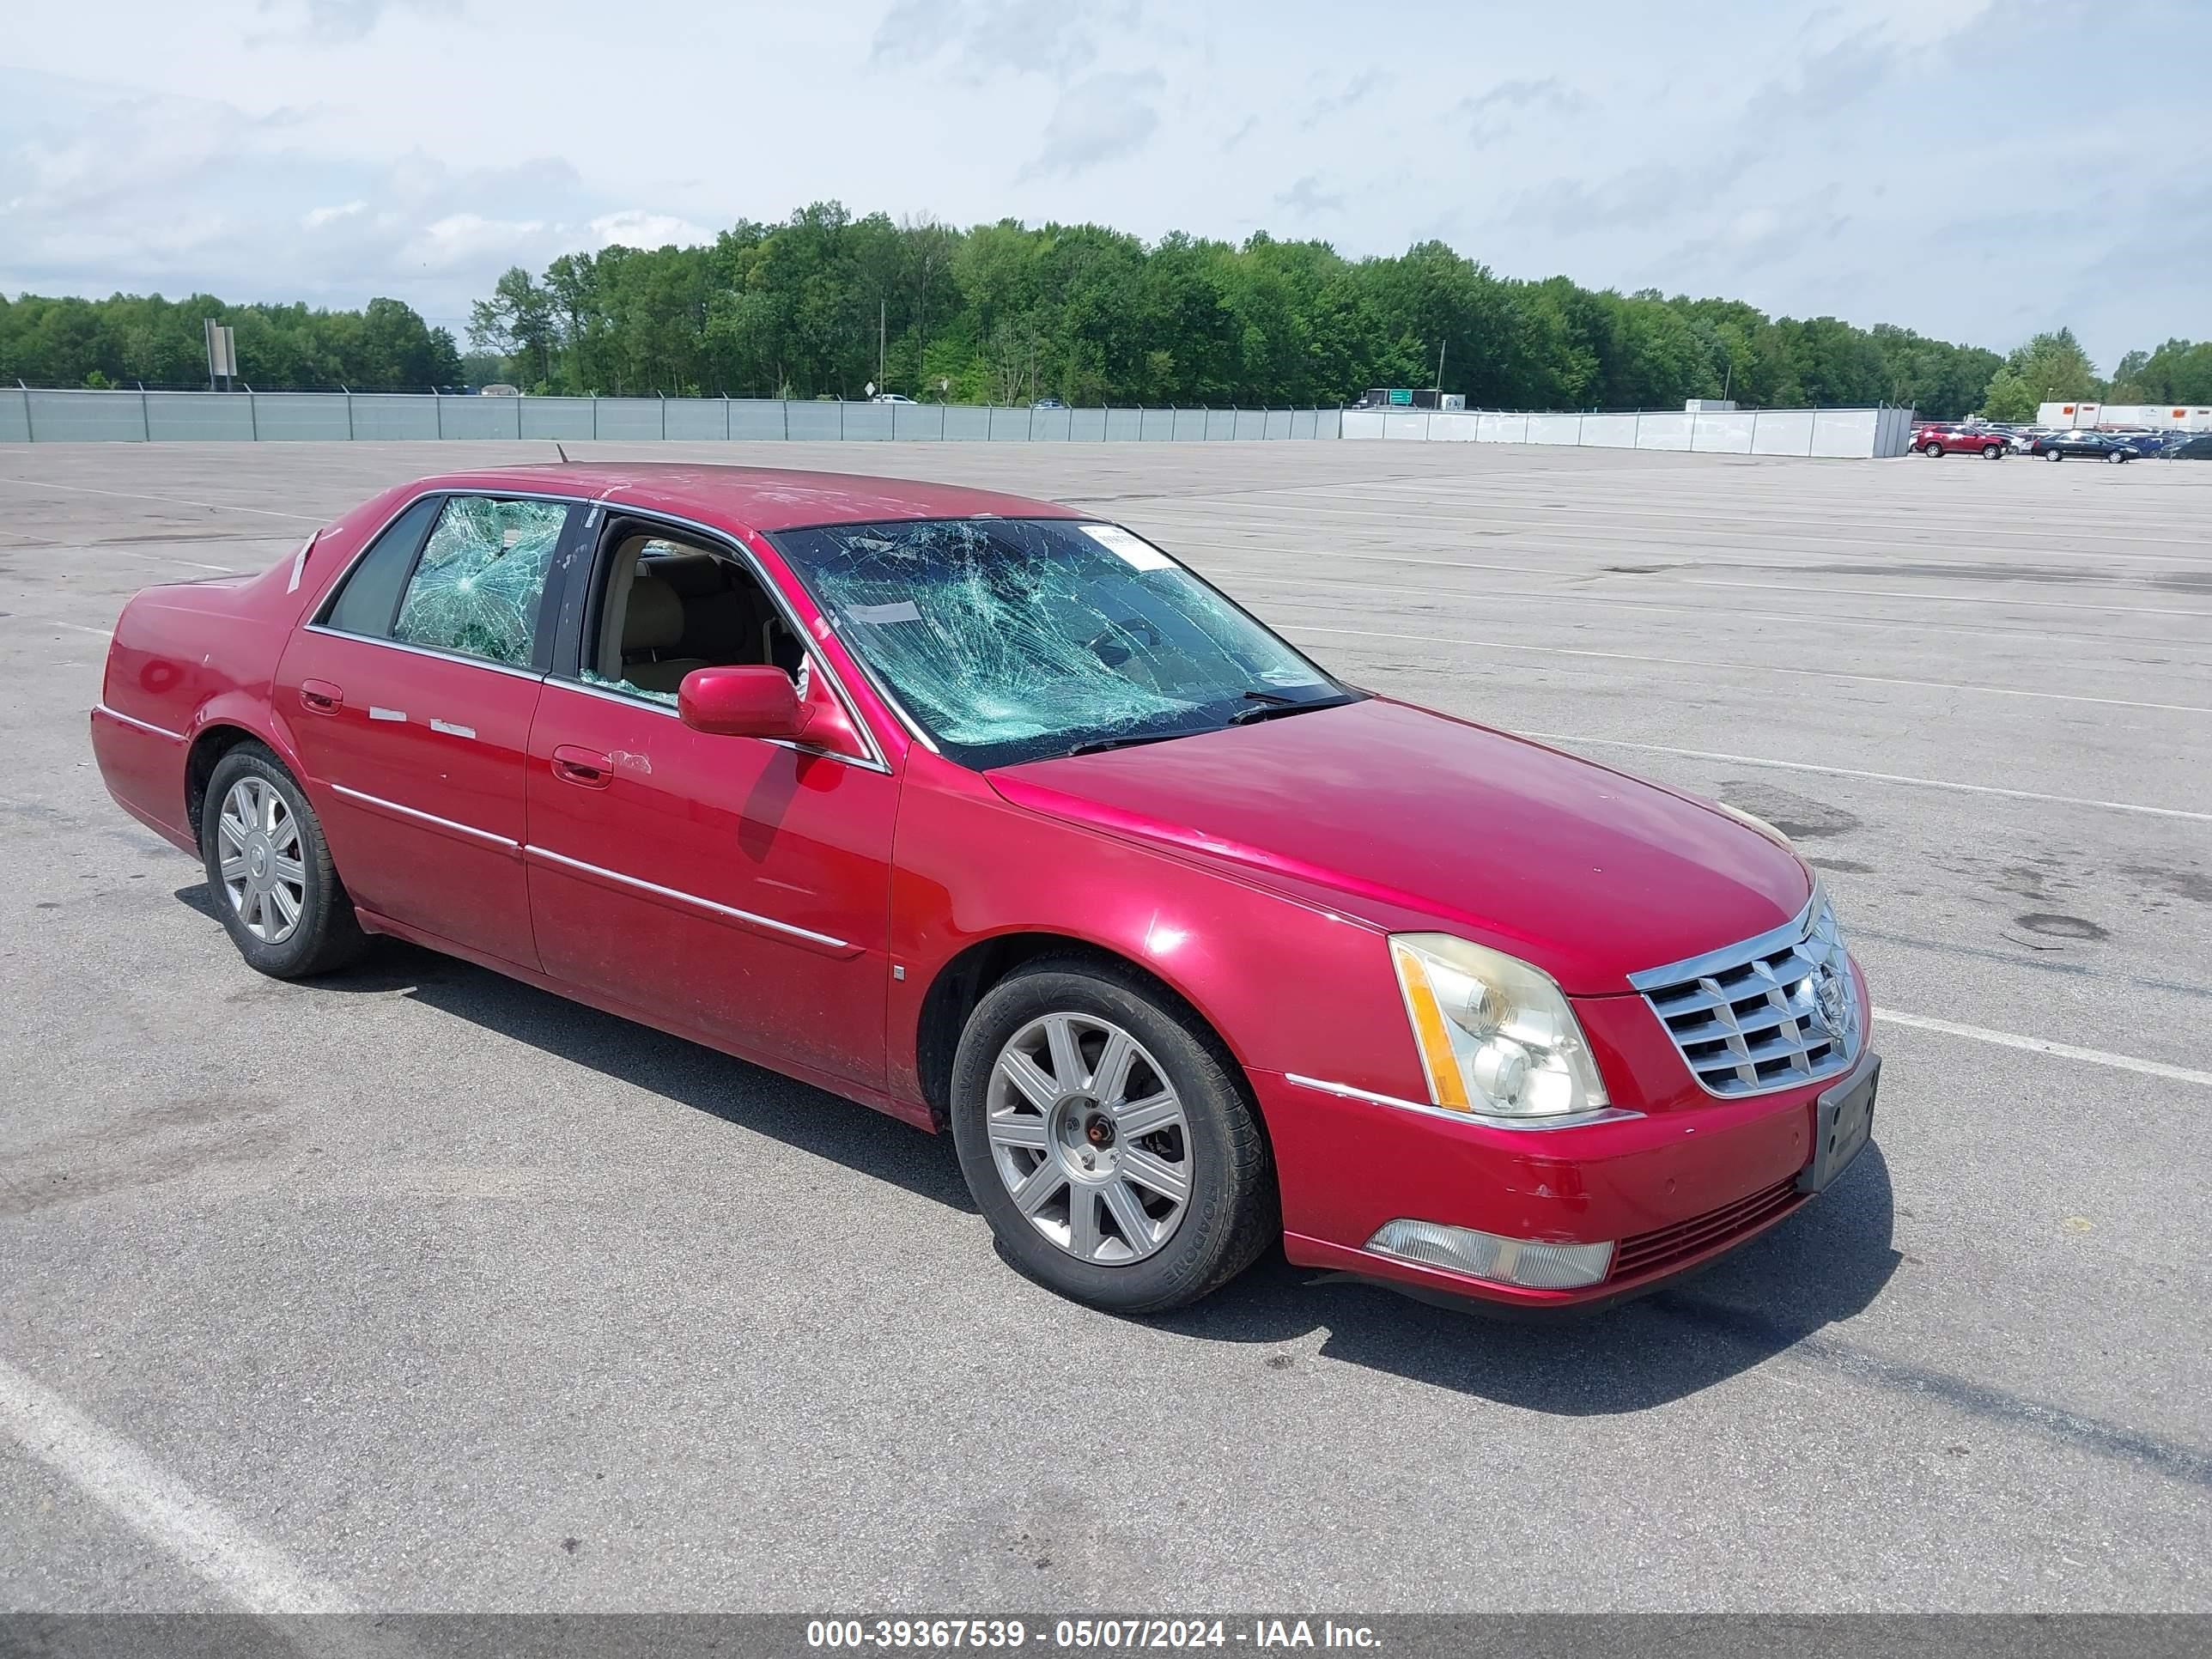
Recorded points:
(1289, 986)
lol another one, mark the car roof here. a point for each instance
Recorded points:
(751, 497)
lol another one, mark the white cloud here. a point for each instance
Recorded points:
(346, 19)
(987, 38)
(469, 238)
(1099, 120)
(1767, 153)
(636, 227)
(1495, 113)
(1306, 198)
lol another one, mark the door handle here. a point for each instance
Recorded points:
(321, 696)
(586, 767)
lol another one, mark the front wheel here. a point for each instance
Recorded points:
(270, 871)
(1104, 1134)
(1993, 452)
(2117, 457)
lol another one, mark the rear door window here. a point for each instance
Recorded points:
(369, 598)
(480, 585)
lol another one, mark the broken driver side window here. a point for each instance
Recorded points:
(670, 607)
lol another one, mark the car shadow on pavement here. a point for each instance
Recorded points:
(1825, 1264)
(871, 1144)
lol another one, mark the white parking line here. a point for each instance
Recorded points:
(1749, 668)
(1810, 618)
(2044, 1046)
(56, 621)
(172, 501)
(121, 1479)
(157, 558)
(1572, 739)
(1814, 591)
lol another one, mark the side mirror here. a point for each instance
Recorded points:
(740, 703)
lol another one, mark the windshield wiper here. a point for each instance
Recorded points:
(1268, 705)
(1097, 745)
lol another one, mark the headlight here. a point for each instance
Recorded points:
(1495, 1035)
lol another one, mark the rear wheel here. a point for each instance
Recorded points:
(1931, 449)
(1104, 1135)
(271, 871)
(2052, 455)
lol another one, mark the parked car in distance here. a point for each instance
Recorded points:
(2194, 446)
(891, 397)
(1047, 402)
(1191, 946)
(1941, 438)
(2095, 445)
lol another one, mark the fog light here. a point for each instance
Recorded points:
(1504, 1261)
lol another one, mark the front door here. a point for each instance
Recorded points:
(734, 886)
(410, 700)
(741, 886)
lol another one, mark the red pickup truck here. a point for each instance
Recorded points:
(1937, 440)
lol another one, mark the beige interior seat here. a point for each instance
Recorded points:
(651, 628)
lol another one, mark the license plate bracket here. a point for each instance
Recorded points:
(1842, 1127)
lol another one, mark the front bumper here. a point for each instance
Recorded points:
(1671, 1190)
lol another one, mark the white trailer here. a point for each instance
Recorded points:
(2159, 416)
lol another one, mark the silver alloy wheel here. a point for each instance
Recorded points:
(258, 853)
(1089, 1136)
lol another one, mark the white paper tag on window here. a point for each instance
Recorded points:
(1132, 550)
(876, 615)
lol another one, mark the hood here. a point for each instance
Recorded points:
(1410, 819)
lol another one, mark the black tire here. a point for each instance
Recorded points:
(1231, 1214)
(326, 936)
(1993, 452)
(2054, 455)
(2116, 457)
(1933, 451)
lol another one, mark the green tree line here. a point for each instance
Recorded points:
(824, 303)
(127, 340)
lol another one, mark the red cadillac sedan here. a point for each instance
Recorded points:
(991, 815)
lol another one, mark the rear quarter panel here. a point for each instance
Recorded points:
(188, 656)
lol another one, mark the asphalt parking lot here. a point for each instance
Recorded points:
(420, 1289)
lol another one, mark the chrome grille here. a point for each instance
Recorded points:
(1770, 1013)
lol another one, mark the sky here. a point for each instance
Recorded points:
(1976, 171)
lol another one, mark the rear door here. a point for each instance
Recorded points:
(410, 699)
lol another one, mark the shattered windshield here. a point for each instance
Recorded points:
(1010, 639)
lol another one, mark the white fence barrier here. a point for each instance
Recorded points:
(68, 416)
(32, 416)
(1844, 433)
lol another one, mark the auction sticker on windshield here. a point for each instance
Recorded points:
(1132, 550)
